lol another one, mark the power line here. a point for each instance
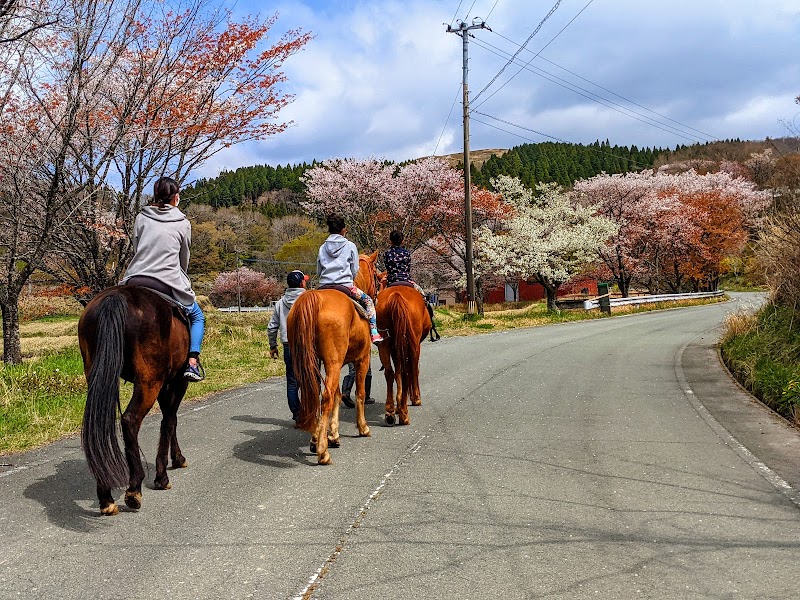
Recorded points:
(455, 14)
(491, 11)
(452, 106)
(520, 49)
(628, 112)
(630, 160)
(538, 53)
(708, 135)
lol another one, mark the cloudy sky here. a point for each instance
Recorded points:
(382, 78)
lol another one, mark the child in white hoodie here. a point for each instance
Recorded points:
(337, 263)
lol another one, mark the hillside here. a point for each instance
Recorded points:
(476, 157)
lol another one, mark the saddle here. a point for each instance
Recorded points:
(403, 283)
(346, 291)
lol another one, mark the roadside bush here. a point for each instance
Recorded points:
(763, 353)
(254, 288)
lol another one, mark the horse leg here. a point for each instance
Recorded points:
(333, 437)
(179, 384)
(144, 396)
(329, 395)
(388, 374)
(361, 374)
(107, 505)
(168, 401)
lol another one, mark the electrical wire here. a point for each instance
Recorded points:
(491, 11)
(520, 49)
(684, 125)
(538, 53)
(630, 160)
(452, 106)
(628, 112)
(455, 14)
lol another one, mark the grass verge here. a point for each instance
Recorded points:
(42, 400)
(763, 353)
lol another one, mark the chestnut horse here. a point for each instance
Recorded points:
(324, 326)
(133, 333)
(403, 321)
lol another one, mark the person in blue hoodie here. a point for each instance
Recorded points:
(162, 236)
(337, 263)
(296, 282)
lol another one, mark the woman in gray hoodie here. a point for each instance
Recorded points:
(161, 238)
(337, 263)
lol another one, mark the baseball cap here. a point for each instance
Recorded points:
(296, 278)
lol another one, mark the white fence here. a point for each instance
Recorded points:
(247, 309)
(595, 302)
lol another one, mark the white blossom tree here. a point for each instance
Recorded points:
(549, 238)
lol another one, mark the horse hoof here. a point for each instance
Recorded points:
(404, 422)
(133, 500)
(110, 510)
(389, 419)
(312, 447)
(334, 443)
(416, 403)
(325, 459)
(158, 485)
(365, 433)
(180, 463)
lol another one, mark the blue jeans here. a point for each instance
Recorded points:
(292, 394)
(197, 328)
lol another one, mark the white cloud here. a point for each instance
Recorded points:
(379, 77)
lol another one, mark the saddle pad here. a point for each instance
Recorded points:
(403, 283)
(346, 291)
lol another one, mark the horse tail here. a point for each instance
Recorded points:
(302, 334)
(99, 432)
(406, 342)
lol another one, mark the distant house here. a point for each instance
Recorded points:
(529, 290)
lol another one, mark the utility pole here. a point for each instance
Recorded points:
(238, 285)
(463, 31)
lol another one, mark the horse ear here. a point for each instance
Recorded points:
(374, 256)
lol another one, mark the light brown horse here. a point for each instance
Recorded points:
(403, 321)
(324, 327)
(133, 333)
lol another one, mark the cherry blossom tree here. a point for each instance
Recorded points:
(549, 238)
(244, 285)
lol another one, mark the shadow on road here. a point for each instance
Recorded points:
(271, 447)
(60, 494)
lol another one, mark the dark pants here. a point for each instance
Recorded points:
(350, 380)
(292, 394)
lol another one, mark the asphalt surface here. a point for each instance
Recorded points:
(606, 459)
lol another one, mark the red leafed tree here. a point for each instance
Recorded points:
(244, 285)
(674, 230)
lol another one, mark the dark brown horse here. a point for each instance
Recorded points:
(133, 333)
(324, 327)
(404, 322)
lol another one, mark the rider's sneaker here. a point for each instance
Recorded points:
(376, 338)
(194, 373)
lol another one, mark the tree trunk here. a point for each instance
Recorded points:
(552, 293)
(12, 351)
(479, 295)
(624, 284)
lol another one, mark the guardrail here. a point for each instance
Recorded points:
(595, 302)
(246, 309)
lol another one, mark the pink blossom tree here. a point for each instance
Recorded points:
(244, 285)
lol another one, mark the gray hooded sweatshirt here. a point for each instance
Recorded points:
(337, 261)
(161, 240)
(277, 321)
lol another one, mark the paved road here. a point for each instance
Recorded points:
(604, 459)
